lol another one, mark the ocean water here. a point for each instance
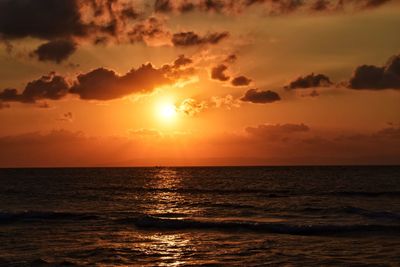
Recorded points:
(228, 216)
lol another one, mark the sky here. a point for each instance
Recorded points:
(199, 82)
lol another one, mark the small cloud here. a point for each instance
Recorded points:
(260, 97)
(191, 106)
(55, 51)
(241, 81)
(227, 102)
(230, 59)
(191, 38)
(218, 73)
(310, 81)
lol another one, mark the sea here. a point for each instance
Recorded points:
(200, 216)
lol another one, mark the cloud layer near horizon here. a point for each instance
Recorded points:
(269, 143)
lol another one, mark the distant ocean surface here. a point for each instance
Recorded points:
(232, 216)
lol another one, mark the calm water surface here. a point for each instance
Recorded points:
(236, 216)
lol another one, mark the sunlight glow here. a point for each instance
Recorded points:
(167, 111)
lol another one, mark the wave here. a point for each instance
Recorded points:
(12, 217)
(355, 211)
(157, 223)
(267, 193)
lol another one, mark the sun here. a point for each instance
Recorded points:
(167, 111)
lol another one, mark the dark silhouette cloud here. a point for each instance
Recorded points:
(310, 81)
(230, 59)
(218, 73)
(56, 51)
(182, 61)
(163, 6)
(151, 31)
(272, 7)
(260, 97)
(104, 84)
(191, 38)
(44, 19)
(372, 3)
(241, 81)
(377, 78)
(51, 87)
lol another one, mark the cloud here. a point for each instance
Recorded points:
(44, 19)
(190, 38)
(218, 73)
(377, 78)
(56, 51)
(260, 97)
(52, 87)
(152, 31)
(310, 81)
(191, 106)
(241, 81)
(230, 59)
(182, 61)
(104, 84)
(372, 3)
(271, 7)
(227, 102)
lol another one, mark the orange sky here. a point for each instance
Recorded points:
(218, 82)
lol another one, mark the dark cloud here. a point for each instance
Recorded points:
(377, 78)
(102, 84)
(218, 73)
(56, 51)
(182, 61)
(44, 19)
(372, 3)
(230, 59)
(241, 81)
(191, 39)
(271, 7)
(260, 97)
(163, 6)
(151, 31)
(51, 87)
(310, 81)
(105, 84)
